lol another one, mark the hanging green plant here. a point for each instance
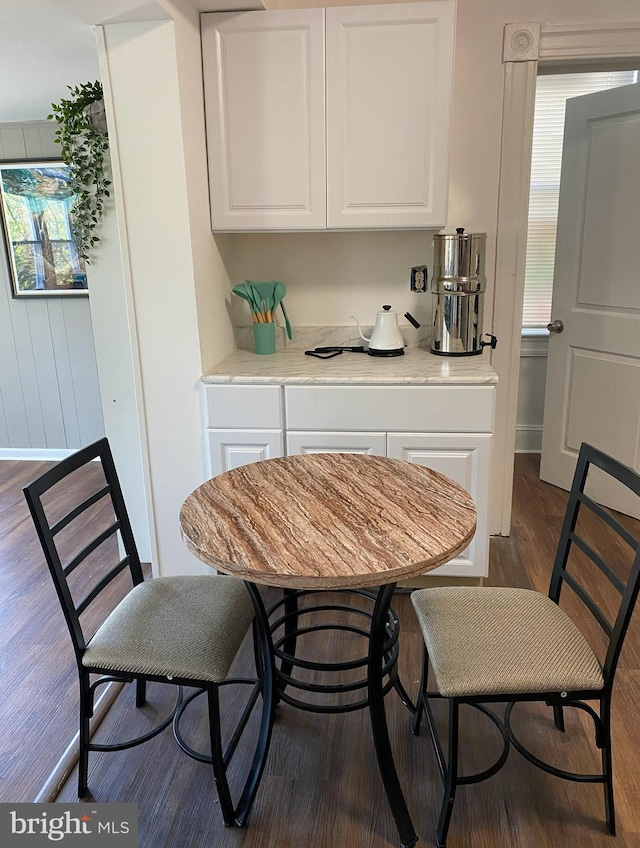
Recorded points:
(82, 136)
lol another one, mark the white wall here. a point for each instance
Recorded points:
(531, 388)
(49, 396)
(210, 279)
(331, 276)
(169, 256)
(114, 337)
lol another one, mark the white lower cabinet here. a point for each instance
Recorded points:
(447, 428)
(465, 458)
(371, 443)
(243, 424)
(230, 449)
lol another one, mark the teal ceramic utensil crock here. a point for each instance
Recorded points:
(264, 338)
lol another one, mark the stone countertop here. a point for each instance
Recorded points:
(418, 366)
(296, 521)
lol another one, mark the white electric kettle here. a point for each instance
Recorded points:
(386, 338)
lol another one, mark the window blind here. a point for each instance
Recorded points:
(552, 93)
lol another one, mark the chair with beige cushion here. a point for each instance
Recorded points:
(494, 644)
(182, 630)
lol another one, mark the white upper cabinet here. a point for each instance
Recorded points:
(264, 103)
(361, 145)
(389, 72)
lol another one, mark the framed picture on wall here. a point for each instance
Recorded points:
(36, 206)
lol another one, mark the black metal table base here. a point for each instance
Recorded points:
(288, 621)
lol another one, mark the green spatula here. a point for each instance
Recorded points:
(244, 292)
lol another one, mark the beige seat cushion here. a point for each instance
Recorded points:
(491, 641)
(175, 626)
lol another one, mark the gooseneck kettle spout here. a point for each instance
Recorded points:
(362, 336)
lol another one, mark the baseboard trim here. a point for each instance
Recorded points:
(36, 454)
(528, 439)
(52, 786)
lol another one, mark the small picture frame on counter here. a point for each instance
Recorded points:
(419, 278)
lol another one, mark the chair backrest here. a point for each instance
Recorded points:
(82, 523)
(614, 623)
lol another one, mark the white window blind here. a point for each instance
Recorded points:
(552, 93)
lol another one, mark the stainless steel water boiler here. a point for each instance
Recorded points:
(458, 285)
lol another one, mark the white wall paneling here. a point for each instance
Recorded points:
(49, 393)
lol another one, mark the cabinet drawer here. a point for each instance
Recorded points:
(243, 406)
(425, 408)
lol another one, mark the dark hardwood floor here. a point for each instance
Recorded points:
(321, 786)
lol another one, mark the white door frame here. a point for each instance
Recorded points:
(525, 46)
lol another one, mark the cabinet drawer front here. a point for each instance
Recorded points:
(243, 406)
(425, 408)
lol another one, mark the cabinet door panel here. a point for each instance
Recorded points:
(230, 449)
(464, 458)
(389, 75)
(264, 102)
(301, 443)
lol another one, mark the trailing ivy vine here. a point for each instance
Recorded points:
(83, 146)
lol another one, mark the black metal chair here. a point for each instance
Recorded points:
(488, 645)
(183, 630)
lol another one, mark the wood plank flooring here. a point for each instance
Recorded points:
(321, 786)
(38, 703)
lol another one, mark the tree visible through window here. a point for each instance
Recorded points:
(552, 93)
(37, 202)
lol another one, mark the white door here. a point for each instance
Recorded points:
(389, 77)
(593, 371)
(264, 103)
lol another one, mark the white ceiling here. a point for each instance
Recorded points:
(46, 45)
